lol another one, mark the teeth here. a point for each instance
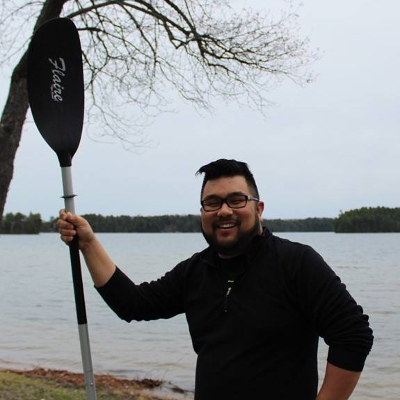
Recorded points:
(226, 225)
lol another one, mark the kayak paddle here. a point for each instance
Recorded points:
(56, 97)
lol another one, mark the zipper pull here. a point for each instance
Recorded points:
(230, 284)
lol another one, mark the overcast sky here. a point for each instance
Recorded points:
(333, 145)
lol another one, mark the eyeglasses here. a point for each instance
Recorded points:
(235, 200)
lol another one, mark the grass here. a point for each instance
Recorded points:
(14, 386)
(40, 384)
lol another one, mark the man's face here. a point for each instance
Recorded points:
(229, 230)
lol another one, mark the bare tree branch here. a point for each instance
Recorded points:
(138, 53)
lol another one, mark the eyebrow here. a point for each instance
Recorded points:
(210, 196)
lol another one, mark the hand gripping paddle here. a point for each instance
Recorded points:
(56, 97)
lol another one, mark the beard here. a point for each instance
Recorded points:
(236, 246)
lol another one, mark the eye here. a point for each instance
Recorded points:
(237, 199)
(214, 202)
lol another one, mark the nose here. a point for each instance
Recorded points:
(225, 210)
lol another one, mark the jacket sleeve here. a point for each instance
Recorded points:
(162, 298)
(333, 313)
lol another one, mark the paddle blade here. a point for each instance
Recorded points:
(55, 86)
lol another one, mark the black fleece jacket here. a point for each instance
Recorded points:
(255, 337)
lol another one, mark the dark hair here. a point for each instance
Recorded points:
(227, 168)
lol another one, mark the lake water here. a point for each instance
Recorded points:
(38, 322)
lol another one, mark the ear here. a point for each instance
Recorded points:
(260, 209)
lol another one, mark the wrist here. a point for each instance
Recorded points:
(88, 245)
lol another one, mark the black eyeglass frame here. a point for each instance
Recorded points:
(226, 200)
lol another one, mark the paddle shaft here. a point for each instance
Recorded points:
(78, 290)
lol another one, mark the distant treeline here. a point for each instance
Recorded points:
(369, 219)
(132, 224)
(163, 223)
(300, 225)
(20, 223)
(378, 219)
(191, 223)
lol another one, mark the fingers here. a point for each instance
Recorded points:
(68, 219)
(70, 225)
(67, 216)
(65, 228)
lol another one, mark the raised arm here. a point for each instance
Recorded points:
(99, 263)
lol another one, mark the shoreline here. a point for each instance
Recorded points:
(107, 386)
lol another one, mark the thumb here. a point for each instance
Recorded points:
(82, 227)
(75, 219)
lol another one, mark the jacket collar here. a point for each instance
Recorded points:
(210, 256)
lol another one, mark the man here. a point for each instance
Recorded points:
(255, 304)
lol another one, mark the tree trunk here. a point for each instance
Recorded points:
(12, 121)
(16, 107)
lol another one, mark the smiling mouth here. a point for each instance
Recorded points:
(226, 225)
